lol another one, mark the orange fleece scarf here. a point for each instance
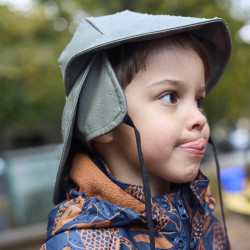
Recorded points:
(94, 183)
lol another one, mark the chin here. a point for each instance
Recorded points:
(186, 178)
(191, 175)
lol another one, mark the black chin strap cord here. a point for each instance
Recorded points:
(219, 188)
(146, 185)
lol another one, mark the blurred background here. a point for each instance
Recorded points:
(32, 35)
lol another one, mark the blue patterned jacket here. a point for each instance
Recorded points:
(100, 212)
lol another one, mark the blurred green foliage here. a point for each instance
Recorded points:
(30, 92)
(31, 87)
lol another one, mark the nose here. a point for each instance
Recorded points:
(196, 119)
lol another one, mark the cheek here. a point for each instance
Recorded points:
(159, 141)
(207, 130)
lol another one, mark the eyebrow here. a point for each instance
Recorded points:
(176, 83)
(166, 82)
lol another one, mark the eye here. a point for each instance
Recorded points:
(200, 102)
(170, 97)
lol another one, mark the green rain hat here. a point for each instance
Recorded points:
(95, 102)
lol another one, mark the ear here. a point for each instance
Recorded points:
(107, 138)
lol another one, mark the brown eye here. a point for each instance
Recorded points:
(170, 97)
(200, 102)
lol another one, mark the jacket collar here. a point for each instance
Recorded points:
(94, 179)
(93, 182)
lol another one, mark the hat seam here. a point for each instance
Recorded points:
(94, 26)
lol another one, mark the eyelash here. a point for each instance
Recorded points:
(200, 102)
(173, 94)
(170, 94)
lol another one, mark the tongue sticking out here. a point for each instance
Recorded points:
(199, 144)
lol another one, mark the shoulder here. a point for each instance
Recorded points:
(85, 222)
(79, 238)
(73, 223)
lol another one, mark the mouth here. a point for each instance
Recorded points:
(196, 147)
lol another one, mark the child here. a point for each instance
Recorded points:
(135, 86)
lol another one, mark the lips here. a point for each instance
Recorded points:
(196, 147)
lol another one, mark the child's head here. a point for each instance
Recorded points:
(164, 82)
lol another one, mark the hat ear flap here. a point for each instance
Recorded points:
(102, 105)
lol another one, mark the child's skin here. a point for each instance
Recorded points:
(165, 103)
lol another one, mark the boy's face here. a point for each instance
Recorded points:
(165, 101)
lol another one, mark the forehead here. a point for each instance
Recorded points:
(180, 41)
(158, 48)
(180, 44)
(178, 65)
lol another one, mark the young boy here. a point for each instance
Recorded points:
(134, 129)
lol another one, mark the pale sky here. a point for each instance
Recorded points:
(23, 5)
